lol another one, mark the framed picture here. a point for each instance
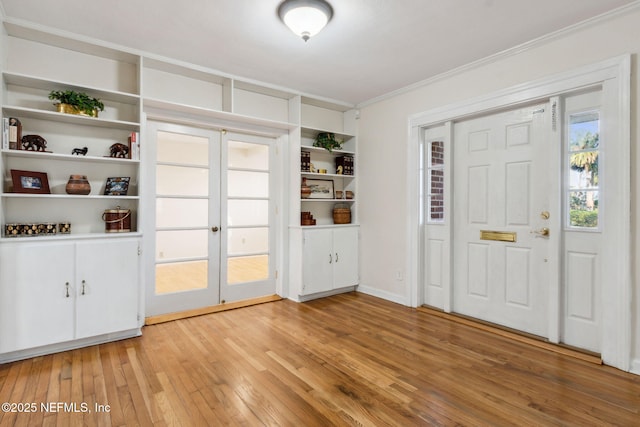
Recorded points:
(30, 182)
(320, 188)
(117, 186)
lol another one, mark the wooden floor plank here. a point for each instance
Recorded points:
(349, 359)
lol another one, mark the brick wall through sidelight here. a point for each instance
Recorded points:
(436, 181)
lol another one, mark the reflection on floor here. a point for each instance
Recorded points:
(247, 269)
(185, 276)
(181, 276)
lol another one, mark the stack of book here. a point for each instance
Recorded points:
(134, 146)
(305, 161)
(344, 165)
(11, 134)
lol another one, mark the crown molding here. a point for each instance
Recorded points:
(513, 51)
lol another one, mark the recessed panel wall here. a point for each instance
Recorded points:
(255, 104)
(35, 59)
(170, 87)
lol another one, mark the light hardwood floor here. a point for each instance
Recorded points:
(349, 359)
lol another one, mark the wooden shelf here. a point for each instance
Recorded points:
(66, 157)
(49, 85)
(9, 110)
(329, 200)
(66, 196)
(72, 236)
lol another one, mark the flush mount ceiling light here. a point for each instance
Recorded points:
(305, 17)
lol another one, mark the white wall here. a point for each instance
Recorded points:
(383, 135)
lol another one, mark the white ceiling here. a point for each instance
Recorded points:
(371, 47)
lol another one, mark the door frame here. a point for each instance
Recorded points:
(614, 75)
(195, 118)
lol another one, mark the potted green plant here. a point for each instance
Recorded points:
(72, 102)
(327, 141)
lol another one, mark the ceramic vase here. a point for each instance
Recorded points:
(78, 184)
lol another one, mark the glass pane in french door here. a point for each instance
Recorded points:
(248, 232)
(182, 212)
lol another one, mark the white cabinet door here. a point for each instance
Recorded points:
(317, 261)
(106, 287)
(329, 259)
(36, 295)
(345, 257)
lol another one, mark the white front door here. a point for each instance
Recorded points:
(475, 183)
(504, 224)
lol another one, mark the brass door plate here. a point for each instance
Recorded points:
(500, 236)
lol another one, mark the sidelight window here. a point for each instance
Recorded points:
(582, 165)
(435, 181)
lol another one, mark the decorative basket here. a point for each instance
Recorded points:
(117, 220)
(341, 214)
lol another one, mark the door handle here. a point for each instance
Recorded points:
(544, 231)
(214, 229)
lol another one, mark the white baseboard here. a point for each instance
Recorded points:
(635, 366)
(69, 345)
(304, 298)
(399, 299)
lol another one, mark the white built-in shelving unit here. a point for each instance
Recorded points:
(136, 87)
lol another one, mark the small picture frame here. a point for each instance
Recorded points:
(321, 188)
(30, 182)
(117, 186)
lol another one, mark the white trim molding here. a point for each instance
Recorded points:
(398, 299)
(516, 50)
(614, 76)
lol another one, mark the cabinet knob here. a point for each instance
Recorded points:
(214, 229)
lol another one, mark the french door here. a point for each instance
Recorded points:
(249, 211)
(182, 230)
(210, 219)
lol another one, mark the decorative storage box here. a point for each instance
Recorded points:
(47, 228)
(306, 218)
(12, 230)
(64, 228)
(30, 230)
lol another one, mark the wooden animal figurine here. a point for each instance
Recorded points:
(34, 143)
(119, 150)
(79, 151)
